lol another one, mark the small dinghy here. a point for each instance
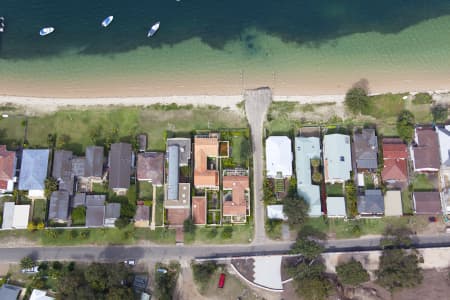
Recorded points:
(107, 21)
(46, 30)
(2, 24)
(153, 30)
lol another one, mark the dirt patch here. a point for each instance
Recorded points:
(435, 285)
(245, 267)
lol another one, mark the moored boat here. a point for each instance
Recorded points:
(46, 30)
(153, 30)
(107, 21)
(2, 24)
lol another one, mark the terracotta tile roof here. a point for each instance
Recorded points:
(426, 153)
(199, 210)
(395, 169)
(237, 205)
(176, 216)
(427, 203)
(150, 166)
(395, 151)
(204, 148)
(7, 159)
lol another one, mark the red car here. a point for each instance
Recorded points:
(221, 280)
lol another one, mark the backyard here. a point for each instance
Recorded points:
(145, 190)
(159, 211)
(105, 125)
(39, 210)
(335, 190)
(424, 182)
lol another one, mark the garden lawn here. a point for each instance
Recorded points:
(240, 150)
(386, 105)
(242, 234)
(407, 204)
(335, 190)
(422, 183)
(39, 210)
(103, 125)
(145, 190)
(159, 212)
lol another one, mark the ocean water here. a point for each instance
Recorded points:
(233, 42)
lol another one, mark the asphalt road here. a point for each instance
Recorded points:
(186, 253)
(257, 103)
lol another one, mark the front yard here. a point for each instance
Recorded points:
(39, 210)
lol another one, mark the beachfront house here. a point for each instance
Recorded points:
(278, 157)
(7, 170)
(62, 170)
(33, 172)
(150, 167)
(206, 152)
(444, 149)
(365, 145)
(337, 158)
(307, 149)
(120, 165)
(425, 150)
(177, 195)
(93, 166)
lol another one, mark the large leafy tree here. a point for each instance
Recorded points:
(405, 125)
(399, 266)
(295, 209)
(27, 262)
(356, 100)
(352, 273)
(308, 248)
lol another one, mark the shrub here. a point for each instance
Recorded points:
(440, 113)
(212, 233)
(422, 98)
(203, 273)
(317, 177)
(27, 262)
(227, 232)
(352, 273)
(405, 125)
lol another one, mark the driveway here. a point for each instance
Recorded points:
(257, 103)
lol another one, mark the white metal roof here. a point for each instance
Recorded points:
(393, 203)
(278, 156)
(337, 157)
(8, 215)
(21, 215)
(336, 207)
(444, 144)
(275, 212)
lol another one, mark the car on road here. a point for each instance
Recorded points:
(161, 270)
(130, 262)
(32, 270)
(222, 280)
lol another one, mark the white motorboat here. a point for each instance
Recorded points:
(107, 21)
(2, 24)
(46, 30)
(153, 30)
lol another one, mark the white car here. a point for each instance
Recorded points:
(32, 270)
(130, 262)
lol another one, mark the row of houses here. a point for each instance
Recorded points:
(230, 186)
(340, 156)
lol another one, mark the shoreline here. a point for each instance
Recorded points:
(50, 104)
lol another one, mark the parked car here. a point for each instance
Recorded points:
(32, 270)
(221, 281)
(161, 270)
(432, 219)
(130, 262)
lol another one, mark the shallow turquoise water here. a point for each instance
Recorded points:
(232, 41)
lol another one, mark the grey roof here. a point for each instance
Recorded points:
(94, 162)
(95, 200)
(112, 210)
(9, 292)
(366, 149)
(33, 170)
(8, 215)
(184, 145)
(79, 200)
(95, 216)
(78, 166)
(120, 166)
(59, 206)
(62, 170)
(172, 179)
(336, 207)
(307, 148)
(150, 166)
(142, 140)
(371, 203)
(337, 157)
